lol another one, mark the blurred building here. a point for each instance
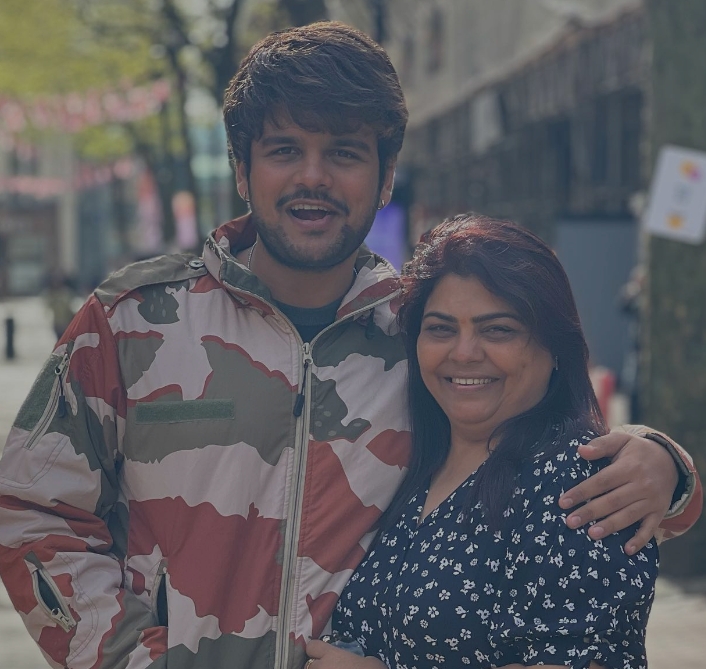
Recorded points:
(66, 216)
(38, 219)
(60, 217)
(532, 110)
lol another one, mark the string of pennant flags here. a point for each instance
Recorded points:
(75, 111)
(71, 113)
(86, 176)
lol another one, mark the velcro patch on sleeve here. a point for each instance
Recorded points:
(182, 411)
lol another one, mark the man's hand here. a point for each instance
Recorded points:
(326, 656)
(637, 486)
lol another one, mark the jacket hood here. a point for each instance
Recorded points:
(376, 279)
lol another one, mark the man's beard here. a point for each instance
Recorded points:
(348, 241)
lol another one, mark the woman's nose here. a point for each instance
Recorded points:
(467, 349)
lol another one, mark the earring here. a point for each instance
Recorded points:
(556, 363)
(381, 204)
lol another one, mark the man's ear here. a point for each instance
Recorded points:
(241, 180)
(388, 181)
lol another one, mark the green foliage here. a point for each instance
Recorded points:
(56, 47)
(45, 49)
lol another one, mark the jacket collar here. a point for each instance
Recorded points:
(376, 279)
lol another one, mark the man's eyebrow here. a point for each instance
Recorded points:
(276, 140)
(352, 143)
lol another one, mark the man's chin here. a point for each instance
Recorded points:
(313, 250)
(310, 263)
(311, 256)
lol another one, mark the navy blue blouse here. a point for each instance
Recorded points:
(450, 592)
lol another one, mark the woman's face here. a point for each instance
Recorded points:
(477, 359)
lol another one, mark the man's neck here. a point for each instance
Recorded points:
(296, 287)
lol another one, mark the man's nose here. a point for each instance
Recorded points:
(314, 173)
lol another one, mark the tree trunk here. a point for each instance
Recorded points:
(675, 361)
(303, 12)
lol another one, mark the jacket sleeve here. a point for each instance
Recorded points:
(688, 501)
(63, 522)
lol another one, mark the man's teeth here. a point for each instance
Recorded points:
(470, 382)
(311, 207)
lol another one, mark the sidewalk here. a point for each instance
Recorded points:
(676, 635)
(34, 340)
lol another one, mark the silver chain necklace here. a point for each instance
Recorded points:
(252, 250)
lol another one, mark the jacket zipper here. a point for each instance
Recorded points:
(302, 410)
(57, 609)
(291, 536)
(56, 404)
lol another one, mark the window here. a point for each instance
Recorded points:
(435, 41)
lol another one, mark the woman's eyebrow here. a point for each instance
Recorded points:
(439, 315)
(476, 319)
(491, 317)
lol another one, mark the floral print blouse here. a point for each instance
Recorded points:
(452, 592)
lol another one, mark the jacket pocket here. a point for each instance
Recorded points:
(45, 400)
(160, 604)
(48, 595)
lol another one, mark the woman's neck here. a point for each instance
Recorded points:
(463, 459)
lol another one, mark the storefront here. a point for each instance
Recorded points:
(28, 248)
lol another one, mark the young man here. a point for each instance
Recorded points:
(200, 465)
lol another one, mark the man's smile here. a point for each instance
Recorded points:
(303, 201)
(311, 212)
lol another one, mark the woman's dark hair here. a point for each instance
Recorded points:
(325, 76)
(518, 267)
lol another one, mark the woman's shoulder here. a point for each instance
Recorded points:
(554, 467)
(557, 463)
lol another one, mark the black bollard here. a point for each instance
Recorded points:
(10, 338)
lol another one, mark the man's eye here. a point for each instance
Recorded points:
(342, 153)
(283, 151)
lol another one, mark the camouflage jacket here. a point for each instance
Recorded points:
(190, 486)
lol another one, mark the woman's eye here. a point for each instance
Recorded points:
(439, 329)
(499, 332)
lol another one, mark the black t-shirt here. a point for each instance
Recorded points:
(309, 322)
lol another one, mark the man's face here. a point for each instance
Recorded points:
(313, 195)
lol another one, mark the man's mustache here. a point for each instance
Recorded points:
(311, 195)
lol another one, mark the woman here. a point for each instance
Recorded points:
(475, 566)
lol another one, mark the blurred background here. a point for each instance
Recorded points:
(549, 112)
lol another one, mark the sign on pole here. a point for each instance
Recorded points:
(677, 203)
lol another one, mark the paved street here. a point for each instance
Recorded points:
(677, 628)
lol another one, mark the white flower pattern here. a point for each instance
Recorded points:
(482, 598)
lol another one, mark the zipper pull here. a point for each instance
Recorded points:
(299, 402)
(61, 618)
(59, 371)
